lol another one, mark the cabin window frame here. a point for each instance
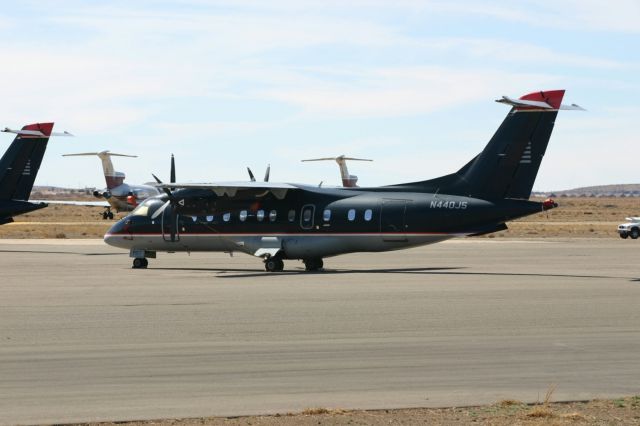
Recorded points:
(326, 215)
(351, 215)
(307, 224)
(368, 215)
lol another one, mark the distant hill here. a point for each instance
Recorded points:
(619, 190)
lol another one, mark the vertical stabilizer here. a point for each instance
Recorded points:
(20, 164)
(112, 178)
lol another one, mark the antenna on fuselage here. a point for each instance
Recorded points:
(348, 180)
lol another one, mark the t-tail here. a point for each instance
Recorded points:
(20, 163)
(509, 164)
(112, 177)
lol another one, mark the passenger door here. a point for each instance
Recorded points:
(393, 220)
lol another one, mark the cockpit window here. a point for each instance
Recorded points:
(147, 207)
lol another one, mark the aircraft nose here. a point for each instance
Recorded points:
(117, 235)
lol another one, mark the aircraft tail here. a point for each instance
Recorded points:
(20, 163)
(509, 164)
(111, 177)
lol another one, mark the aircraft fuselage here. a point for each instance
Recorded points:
(314, 223)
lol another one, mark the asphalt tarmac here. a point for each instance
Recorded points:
(83, 337)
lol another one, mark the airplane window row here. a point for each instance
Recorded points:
(351, 215)
(291, 216)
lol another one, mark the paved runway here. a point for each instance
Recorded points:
(84, 337)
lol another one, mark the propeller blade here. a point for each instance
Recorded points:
(266, 174)
(156, 178)
(173, 170)
(253, 179)
(160, 210)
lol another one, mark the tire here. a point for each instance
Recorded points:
(313, 264)
(105, 215)
(140, 263)
(110, 215)
(624, 235)
(635, 233)
(273, 264)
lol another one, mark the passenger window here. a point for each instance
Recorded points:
(326, 215)
(194, 218)
(260, 215)
(210, 218)
(272, 215)
(226, 217)
(351, 215)
(243, 215)
(292, 215)
(368, 214)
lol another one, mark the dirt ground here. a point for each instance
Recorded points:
(623, 411)
(575, 217)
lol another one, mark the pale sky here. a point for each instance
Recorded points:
(229, 84)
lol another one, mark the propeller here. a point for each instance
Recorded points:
(171, 201)
(266, 174)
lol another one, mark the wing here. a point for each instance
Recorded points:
(238, 189)
(74, 203)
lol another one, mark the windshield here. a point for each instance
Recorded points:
(147, 207)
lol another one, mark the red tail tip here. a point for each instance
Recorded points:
(552, 97)
(44, 128)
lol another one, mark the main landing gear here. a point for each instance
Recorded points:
(140, 263)
(107, 214)
(313, 264)
(273, 264)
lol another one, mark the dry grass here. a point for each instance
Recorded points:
(543, 410)
(622, 411)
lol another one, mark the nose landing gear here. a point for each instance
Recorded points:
(140, 258)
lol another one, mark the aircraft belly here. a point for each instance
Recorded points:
(294, 247)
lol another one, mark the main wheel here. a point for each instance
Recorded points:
(140, 263)
(105, 215)
(313, 264)
(110, 215)
(624, 235)
(273, 264)
(635, 233)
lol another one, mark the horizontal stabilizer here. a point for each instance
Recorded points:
(35, 133)
(102, 153)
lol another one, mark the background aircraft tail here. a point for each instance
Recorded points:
(20, 163)
(112, 177)
(509, 164)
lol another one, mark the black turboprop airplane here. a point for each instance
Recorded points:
(291, 221)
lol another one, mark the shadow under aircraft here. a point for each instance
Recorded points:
(280, 221)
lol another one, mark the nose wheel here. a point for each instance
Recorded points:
(273, 264)
(140, 263)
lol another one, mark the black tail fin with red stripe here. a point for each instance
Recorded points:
(509, 164)
(20, 163)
